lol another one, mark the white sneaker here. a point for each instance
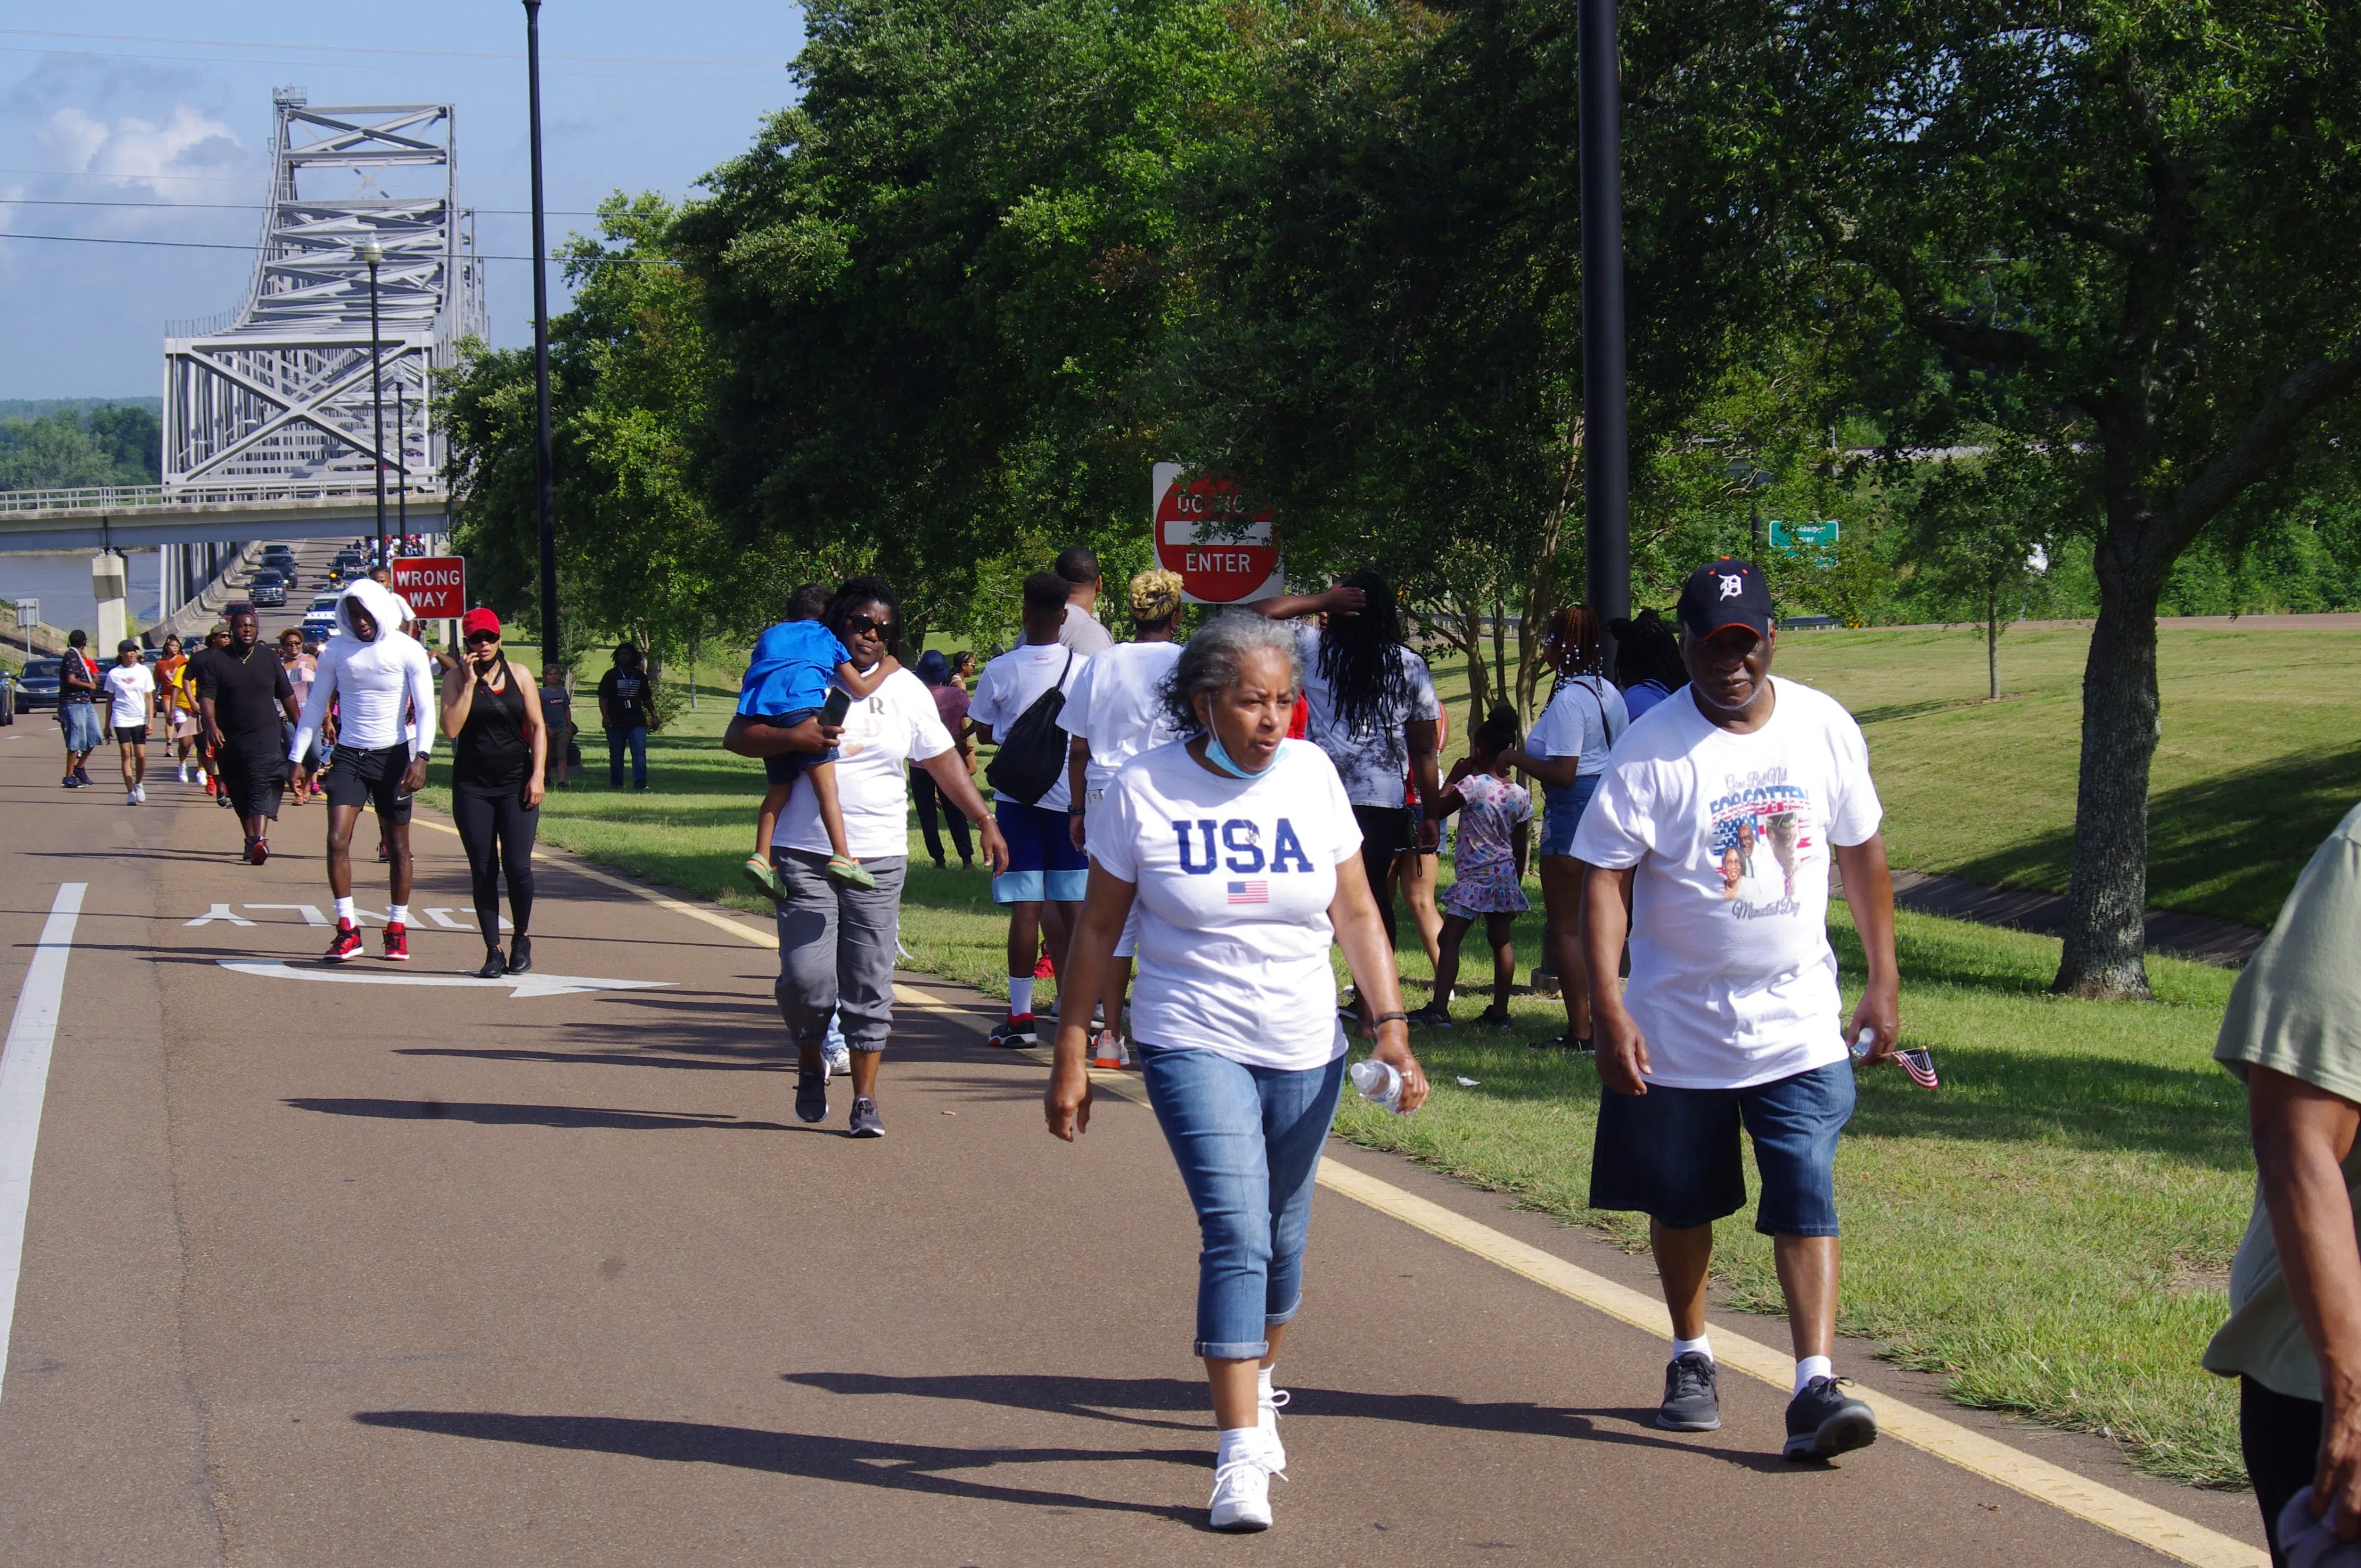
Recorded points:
(130, 798)
(184, 773)
(1242, 1494)
(139, 795)
(838, 1060)
(1266, 1420)
(1109, 1052)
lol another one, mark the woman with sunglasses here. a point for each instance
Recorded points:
(499, 749)
(837, 940)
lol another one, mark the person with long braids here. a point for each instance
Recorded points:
(1566, 754)
(1372, 709)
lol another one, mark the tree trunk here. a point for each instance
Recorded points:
(1500, 655)
(2106, 933)
(1992, 640)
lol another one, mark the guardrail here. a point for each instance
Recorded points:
(119, 498)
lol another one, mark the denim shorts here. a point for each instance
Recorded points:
(1042, 860)
(788, 766)
(1673, 1153)
(1247, 1140)
(1562, 812)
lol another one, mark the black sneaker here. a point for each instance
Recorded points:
(866, 1120)
(1430, 1017)
(521, 955)
(811, 1093)
(1691, 1401)
(1823, 1422)
(495, 965)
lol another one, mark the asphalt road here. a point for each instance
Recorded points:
(323, 1272)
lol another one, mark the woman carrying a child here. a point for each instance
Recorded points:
(837, 935)
(1496, 818)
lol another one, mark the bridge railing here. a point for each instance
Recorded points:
(118, 497)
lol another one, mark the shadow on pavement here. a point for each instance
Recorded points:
(491, 1115)
(898, 1467)
(1107, 1399)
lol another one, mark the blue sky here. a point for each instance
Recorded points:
(145, 102)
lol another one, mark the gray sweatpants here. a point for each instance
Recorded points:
(837, 947)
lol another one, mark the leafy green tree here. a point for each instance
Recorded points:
(65, 449)
(1982, 530)
(2121, 229)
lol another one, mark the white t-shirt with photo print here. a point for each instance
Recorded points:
(131, 691)
(1235, 877)
(1729, 836)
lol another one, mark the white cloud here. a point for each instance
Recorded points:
(134, 148)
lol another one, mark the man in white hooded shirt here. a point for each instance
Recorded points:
(382, 688)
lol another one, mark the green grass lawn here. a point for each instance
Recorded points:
(2051, 1230)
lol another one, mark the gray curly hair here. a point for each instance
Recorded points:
(1211, 661)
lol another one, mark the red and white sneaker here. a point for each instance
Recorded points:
(1015, 1032)
(258, 851)
(397, 943)
(345, 946)
(1109, 1051)
(1044, 969)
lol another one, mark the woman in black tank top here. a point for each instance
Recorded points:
(492, 714)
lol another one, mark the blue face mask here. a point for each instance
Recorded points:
(1223, 759)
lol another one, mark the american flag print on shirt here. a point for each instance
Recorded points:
(1254, 891)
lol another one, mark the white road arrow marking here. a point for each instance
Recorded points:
(219, 912)
(530, 984)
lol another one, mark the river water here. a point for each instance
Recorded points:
(62, 582)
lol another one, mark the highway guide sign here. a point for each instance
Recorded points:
(435, 585)
(1205, 533)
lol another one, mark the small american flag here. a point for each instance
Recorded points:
(1919, 1065)
(1255, 892)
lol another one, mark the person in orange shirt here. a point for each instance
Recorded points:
(179, 690)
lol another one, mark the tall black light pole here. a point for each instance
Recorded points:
(372, 253)
(544, 468)
(1606, 428)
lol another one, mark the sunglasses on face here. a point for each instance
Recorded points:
(861, 623)
(482, 639)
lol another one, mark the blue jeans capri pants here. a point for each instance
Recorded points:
(1673, 1153)
(1247, 1140)
(1562, 812)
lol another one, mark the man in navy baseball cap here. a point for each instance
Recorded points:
(1726, 592)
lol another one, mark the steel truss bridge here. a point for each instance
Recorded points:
(270, 424)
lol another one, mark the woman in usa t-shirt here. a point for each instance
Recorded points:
(1228, 841)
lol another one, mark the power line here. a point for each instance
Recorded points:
(363, 48)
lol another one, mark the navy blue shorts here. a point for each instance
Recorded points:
(1043, 864)
(788, 766)
(1673, 1153)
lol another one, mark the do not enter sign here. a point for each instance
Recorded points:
(435, 585)
(1204, 532)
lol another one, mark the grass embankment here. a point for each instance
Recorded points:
(2052, 1229)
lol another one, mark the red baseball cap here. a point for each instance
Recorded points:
(479, 620)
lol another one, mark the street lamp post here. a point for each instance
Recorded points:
(543, 465)
(1607, 432)
(372, 253)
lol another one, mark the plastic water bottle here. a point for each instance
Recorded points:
(1861, 1047)
(1380, 1083)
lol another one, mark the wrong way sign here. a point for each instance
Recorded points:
(435, 585)
(1225, 553)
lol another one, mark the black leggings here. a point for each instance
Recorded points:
(923, 793)
(2280, 1437)
(1385, 832)
(497, 830)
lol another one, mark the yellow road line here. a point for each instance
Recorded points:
(2181, 1540)
(2124, 1515)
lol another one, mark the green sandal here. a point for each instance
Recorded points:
(761, 873)
(846, 870)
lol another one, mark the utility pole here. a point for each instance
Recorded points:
(1607, 430)
(372, 253)
(543, 462)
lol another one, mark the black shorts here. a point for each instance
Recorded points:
(371, 778)
(255, 781)
(131, 734)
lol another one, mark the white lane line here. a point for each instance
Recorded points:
(24, 1081)
(533, 984)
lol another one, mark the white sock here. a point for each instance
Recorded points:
(1262, 1385)
(397, 915)
(1237, 1443)
(1702, 1346)
(1813, 1366)
(345, 912)
(1020, 995)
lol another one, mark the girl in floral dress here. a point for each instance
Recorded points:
(1495, 818)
